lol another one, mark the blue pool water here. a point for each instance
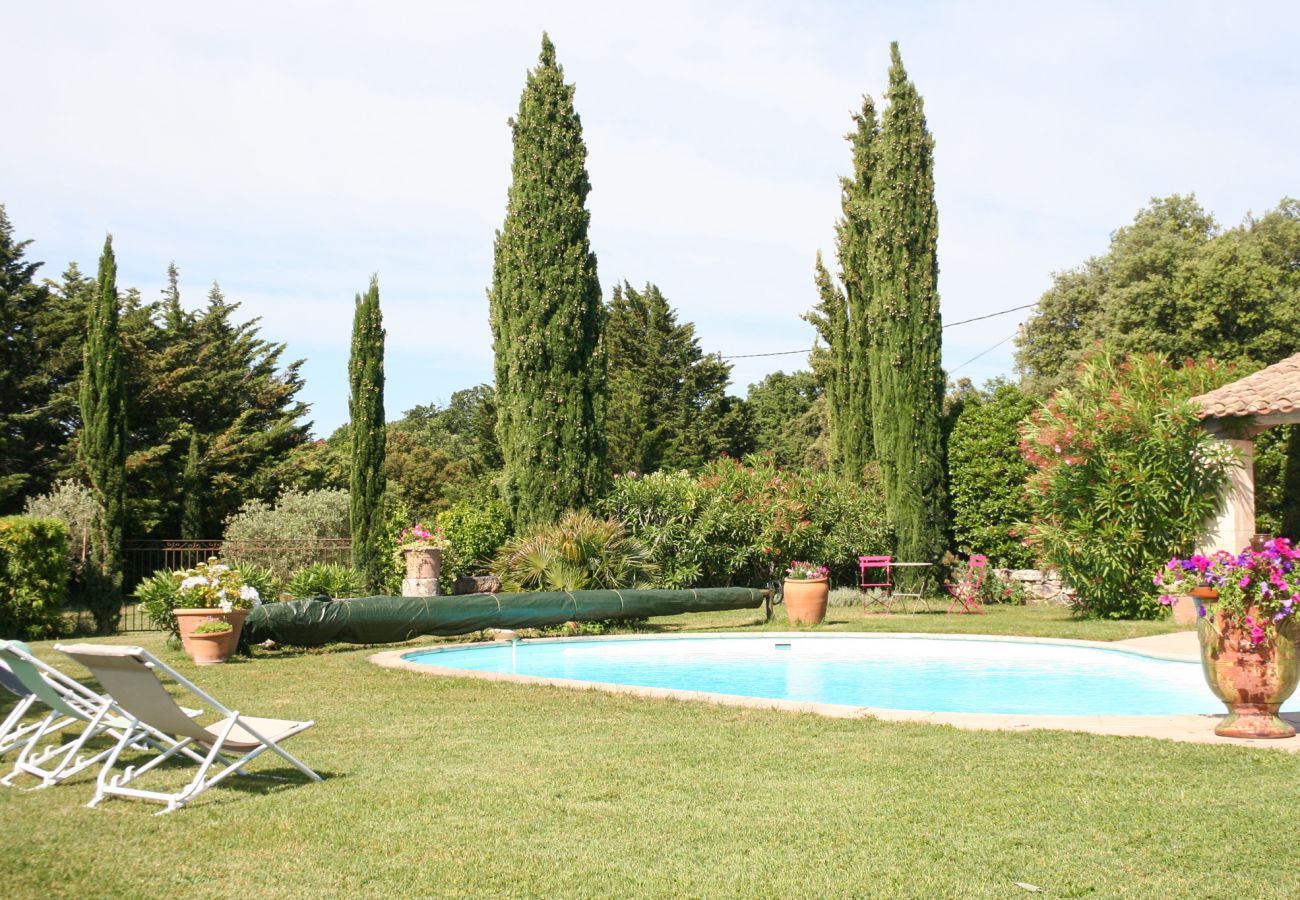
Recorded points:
(987, 676)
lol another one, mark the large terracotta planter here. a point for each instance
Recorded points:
(805, 600)
(209, 649)
(1252, 681)
(422, 569)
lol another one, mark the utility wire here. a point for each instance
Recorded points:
(948, 325)
(982, 352)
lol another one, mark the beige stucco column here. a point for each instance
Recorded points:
(1235, 524)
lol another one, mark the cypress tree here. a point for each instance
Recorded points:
(369, 435)
(192, 494)
(832, 365)
(103, 438)
(546, 312)
(905, 329)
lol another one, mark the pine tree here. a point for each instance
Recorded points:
(546, 312)
(366, 480)
(103, 437)
(906, 371)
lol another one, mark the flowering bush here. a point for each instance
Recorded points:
(420, 537)
(1124, 477)
(1267, 581)
(806, 571)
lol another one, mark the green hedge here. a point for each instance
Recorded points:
(33, 576)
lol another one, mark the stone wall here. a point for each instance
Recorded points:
(1040, 586)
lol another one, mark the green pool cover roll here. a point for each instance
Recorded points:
(384, 620)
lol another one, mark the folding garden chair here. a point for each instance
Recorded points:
(965, 596)
(13, 734)
(881, 567)
(131, 676)
(70, 703)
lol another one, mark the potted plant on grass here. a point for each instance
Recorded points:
(806, 589)
(211, 592)
(1248, 628)
(421, 547)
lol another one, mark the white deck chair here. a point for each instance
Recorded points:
(130, 675)
(70, 703)
(13, 734)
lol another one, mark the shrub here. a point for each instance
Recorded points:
(162, 592)
(33, 576)
(158, 597)
(744, 523)
(74, 504)
(296, 516)
(987, 476)
(1124, 477)
(476, 530)
(213, 627)
(580, 552)
(323, 578)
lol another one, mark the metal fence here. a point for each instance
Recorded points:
(142, 558)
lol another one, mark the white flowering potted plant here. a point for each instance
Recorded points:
(211, 592)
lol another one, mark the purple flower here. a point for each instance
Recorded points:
(1245, 582)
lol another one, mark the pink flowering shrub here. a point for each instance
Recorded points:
(1124, 477)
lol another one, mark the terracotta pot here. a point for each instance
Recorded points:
(1252, 681)
(805, 600)
(209, 649)
(1205, 593)
(1184, 610)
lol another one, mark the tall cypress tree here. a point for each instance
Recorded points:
(905, 329)
(369, 435)
(833, 365)
(546, 312)
(103, 437)
(192, 493)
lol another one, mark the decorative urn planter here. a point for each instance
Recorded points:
(805, 600)
(422, 570)
(209, 649)
(1252, 680)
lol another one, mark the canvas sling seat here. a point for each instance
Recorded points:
(70, 703)
(965, 596)
(14, 734)
(132, 677)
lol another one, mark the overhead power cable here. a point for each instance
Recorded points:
(982, 352)
(991, 315)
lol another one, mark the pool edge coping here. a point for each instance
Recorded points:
(1185, 728)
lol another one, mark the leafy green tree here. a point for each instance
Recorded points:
(1124, 477)
(546, 312)
(987, 475)
(787, 413)
(668, 404)
(366, 481)
(103, 437)
(906, 372)
(31, 434)
(464, 430)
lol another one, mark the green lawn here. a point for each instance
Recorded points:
(459, 787)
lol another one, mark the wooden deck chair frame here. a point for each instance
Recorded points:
(965, 596)
(44, 755)
(131, 676)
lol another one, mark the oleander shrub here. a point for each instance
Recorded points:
(580, 552)
(987, 477)
(1124, 477)
(325, 578)
(33, 576)
(745, 522)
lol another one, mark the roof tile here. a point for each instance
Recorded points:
(1272, 390)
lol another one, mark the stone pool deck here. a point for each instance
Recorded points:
(1179, 645)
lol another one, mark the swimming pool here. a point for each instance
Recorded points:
(933, 673)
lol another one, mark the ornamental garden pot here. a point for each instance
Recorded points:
(805, 600)
(209, 649)
(422, 570)
(1252, 680)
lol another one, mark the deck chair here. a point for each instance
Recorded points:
(965, 596)
(70, 703)
(131, 676)
(14, 734)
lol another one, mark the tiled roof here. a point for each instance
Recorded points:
(1268, 391)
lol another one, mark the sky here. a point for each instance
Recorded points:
(289, 150)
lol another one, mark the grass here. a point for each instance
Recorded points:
(459, 787)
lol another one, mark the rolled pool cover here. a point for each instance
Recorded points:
(386, 620)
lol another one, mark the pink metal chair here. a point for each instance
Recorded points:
(965, 596)
(879, 565)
